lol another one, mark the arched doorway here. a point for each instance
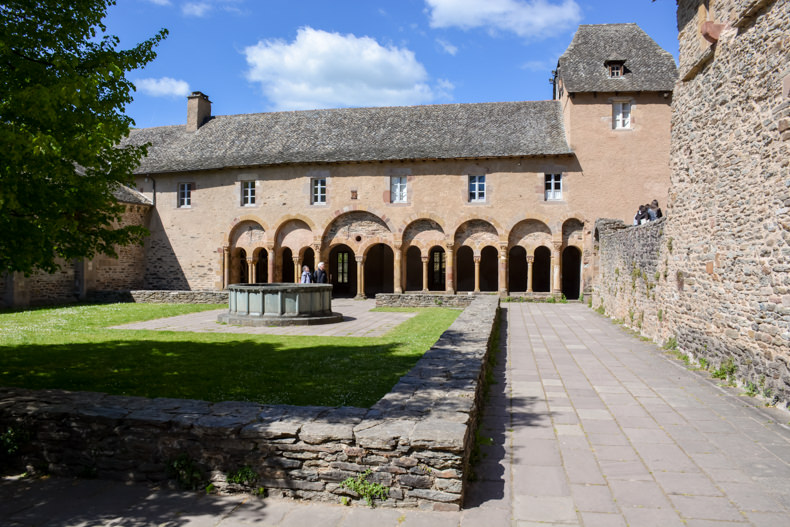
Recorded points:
(379, 268)
(243, 271)
(308, 259)
(541, 272)
(413, 269)
(287, 266)
(489, 269)
(466, 269)
(437, 269)
(343, 271)
(262, 267)
(571, 272)
(517, 269)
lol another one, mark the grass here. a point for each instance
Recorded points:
(72, 348)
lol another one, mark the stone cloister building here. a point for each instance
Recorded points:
(498, 197)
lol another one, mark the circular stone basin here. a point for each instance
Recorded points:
(279, 305)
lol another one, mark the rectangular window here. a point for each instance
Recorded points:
(553, 187)
(477, 188)
(247, 193)
(621, 115)
(342, 268)
(185, 194)
(318, 190)
(615, 70)
(398, 189)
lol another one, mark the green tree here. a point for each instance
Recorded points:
(63, 90)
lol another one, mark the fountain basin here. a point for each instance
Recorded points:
(279, 305)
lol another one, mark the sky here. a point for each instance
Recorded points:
(254, 56)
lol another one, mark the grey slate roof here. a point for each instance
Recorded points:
(582, 67)
(357, 134)
(125, 194)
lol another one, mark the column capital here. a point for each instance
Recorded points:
(226, 249)
(449, 246)
(359, 258)
(557, 245)
(250, 260)
(530, 259)
(476, 258)
(425, 259)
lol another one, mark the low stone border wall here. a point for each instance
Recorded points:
(160, 297)
(416, 440)
(423, 300)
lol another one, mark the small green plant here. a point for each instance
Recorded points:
(600, 309)
(589, 302)
(186, 472)
(366, 489)
(260, 491)
(669, 245)
(703, 363)
(243, 476)
(563, 299)
(751, 389)
(11, 440)
(438, 301)
(725, 371)
(660, 315)
(210, 489)
(671, 344)
(345, 501)
(551, 300)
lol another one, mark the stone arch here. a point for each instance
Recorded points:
(295, 234)
(357, 210)
(423, 233)
(476, 234)
(470, 218)
(248, 235)
(261, 258)
(541, 272)
(437, 268)
(358, 230)
(530, 234)
(378, 270)
(238, 223)
(489, 268)
(413, 268)
(573, 233)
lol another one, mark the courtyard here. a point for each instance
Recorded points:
(587, 425)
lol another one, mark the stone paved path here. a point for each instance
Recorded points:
(358, 321)
(590, 427)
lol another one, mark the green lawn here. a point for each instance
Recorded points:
(70, 348)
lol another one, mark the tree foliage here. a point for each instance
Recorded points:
(63, 90)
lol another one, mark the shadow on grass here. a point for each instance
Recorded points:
(238, 370)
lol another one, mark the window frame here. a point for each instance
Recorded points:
(621, 115)
(318, 194)
(402, 195)
(474, 183)
(248, 188)
(555, 193)
(184, 195)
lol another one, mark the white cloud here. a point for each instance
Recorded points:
(329, 70)
(525, 18)
(160, 2)
(447, 47)
(197, 9)
(163, 87)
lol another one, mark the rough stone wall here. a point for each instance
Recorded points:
(160, 297)
(422, 300)
(416, 440)
(726, 240)
(60, 287)
(105, 273)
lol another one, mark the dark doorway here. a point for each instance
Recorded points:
(571, 272)
(437, 270)
(379, 270)
(517, 269)
(308, 259)
(343, 271)
(541, 272)
(466, 269)
(262, 268)
(489, 269)
(413, 269)
(287, 266)
(242, 267)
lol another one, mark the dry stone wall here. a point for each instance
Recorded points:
(422, 300)
(725, 246)
(416, 440)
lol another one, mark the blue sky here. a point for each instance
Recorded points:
(270, 55)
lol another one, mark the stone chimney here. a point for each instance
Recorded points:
(198, 110)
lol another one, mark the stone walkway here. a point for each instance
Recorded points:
(358, 321)
(589, 425)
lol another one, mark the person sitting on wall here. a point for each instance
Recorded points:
(320, 274)
(641, 215)
(307, 276)
(654, 211)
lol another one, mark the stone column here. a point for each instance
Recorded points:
(477, 273)
(271, 261)
(225, 267)
(425, 273)
(530, 265)
(503, 285)
(449, 270)
(297, 270)
(360, 278)
(250, 271)
(556, 287)
(398, 270)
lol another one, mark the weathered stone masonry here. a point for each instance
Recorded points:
(417, 439)
(725, 246)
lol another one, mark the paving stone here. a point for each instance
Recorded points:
(646, 494)
(597, 519)
(705, 507)
(593, 498)
(686, 483)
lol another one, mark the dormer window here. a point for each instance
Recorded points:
(616, 68)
